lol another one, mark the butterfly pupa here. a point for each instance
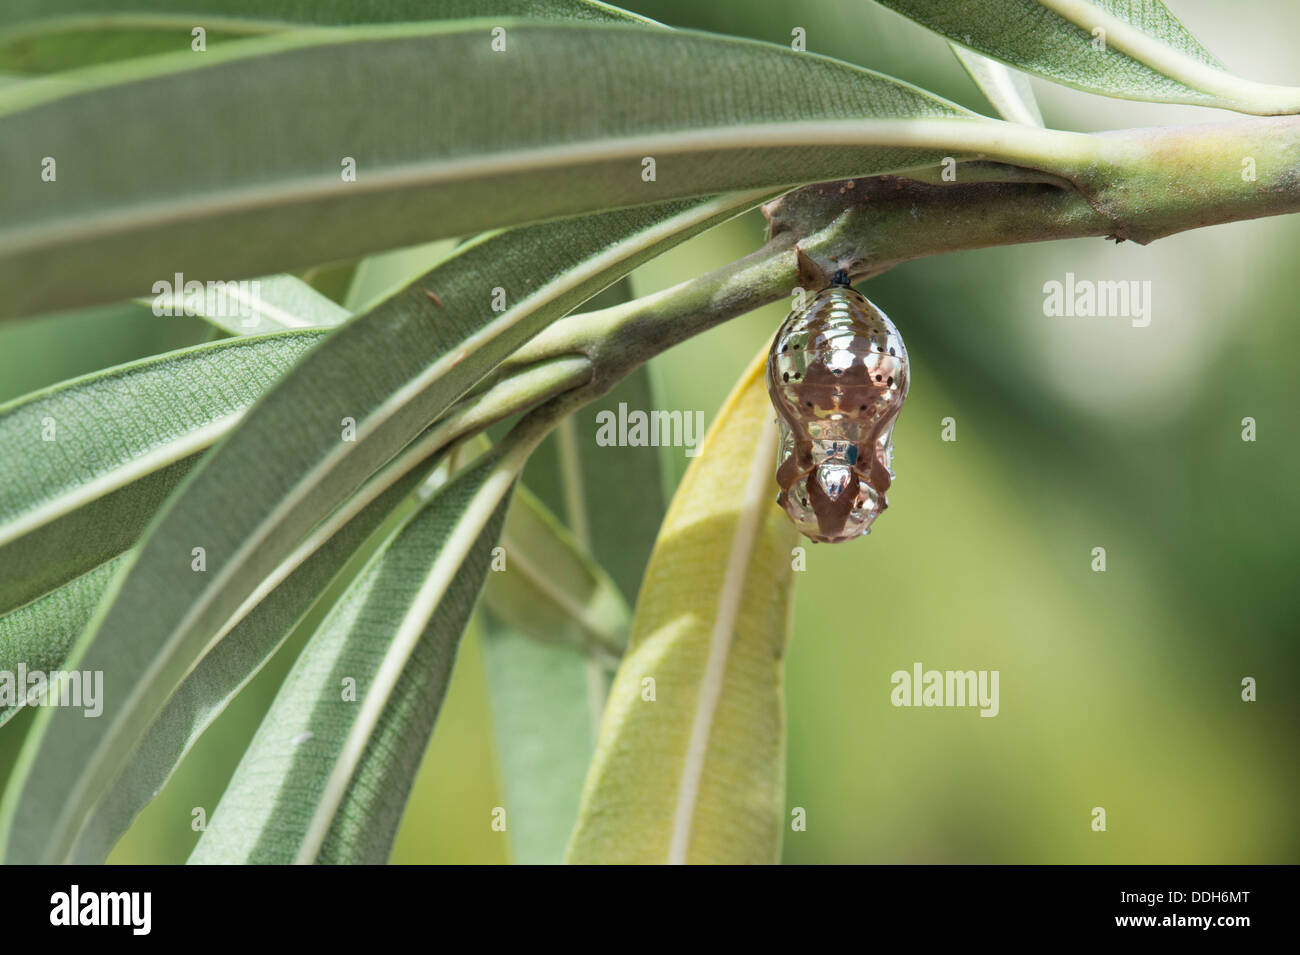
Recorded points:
(837, 375)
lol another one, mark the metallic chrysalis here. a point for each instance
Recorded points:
(837, 374)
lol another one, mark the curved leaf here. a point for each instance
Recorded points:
(267, 618)
(216, 208)
(1007, 89)
(87, 463)
(244, 648)
(547, 701)
(38, 635)
(42, 35)
(282, 805)
(547, 697)
(272, 304)
(270, 614)
(1113, 47)
(252, 501)
(546, 704)
(380, 275)
(550, 588)
(690, 766)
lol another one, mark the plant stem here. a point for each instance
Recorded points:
(1136, 184)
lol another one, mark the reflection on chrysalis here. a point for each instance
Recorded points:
(837, 375)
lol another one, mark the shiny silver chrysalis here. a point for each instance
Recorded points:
(837, 374)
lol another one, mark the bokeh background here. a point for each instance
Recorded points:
(1118, 689)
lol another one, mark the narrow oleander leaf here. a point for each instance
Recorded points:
(548, 587)
(602, 474)
(547, 704)
(690, 763)
(283, 598)
(250, 640)
(553, 624)
(375, 673)
(122, 460)
(44, 35)
(35, 638)
(270, 614)
(379, 275)
(317, 185)
(1114, 47)
(344, 411)
(612, 488)
(85, 464)
(1007, 89)
(252, 307)
(38, 635)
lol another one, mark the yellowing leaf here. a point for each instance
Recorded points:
(690, 762)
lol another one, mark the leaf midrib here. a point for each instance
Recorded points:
(177, 449)
(581, 613)
(727, 611)
(469, 524)
(973, 134)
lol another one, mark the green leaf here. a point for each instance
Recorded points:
(378, 276)
(327, 776)
(250, 639)
(690, 766)
(550, 588)
(39, 634)
(515, 140)
(546, 701)
(88, 462)
(546, 704)
(547, 697)
(270, 614)
(254, 307)
(255, 497)
(611, 494)
(1007, 89)
(1113, 47)
(36, 637)
(42, 35)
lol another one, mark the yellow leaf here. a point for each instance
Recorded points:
(690, 763)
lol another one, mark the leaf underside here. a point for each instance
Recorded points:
(690, 766)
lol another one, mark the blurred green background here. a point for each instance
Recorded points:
(1118, 689)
